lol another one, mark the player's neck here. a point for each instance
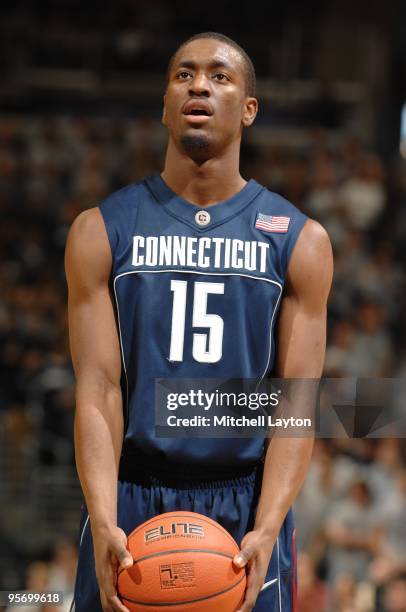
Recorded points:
(215, 180)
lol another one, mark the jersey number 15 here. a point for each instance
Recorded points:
(208, 347)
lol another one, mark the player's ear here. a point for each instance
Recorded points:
(250, 111)
(163, 119)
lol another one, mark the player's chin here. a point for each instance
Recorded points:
(196, 141)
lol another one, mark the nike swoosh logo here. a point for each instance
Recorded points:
(268, 584)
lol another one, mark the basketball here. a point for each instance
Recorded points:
(182, 561)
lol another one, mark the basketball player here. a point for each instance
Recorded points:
(194, 273)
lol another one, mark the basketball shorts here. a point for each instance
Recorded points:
(231, 502)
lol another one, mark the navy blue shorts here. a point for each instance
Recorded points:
(231, 502)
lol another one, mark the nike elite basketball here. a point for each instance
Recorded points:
(183, 561)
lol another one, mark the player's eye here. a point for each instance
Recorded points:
(219, 76)
(183, 74)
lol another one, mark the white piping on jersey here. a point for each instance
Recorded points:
(83, 530)
(122, 355)
(268, 584)
(72, 606)
(279, 576)
(267, 280)
(270, 337)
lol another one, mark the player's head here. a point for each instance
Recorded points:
(247, 65)
(209, 96)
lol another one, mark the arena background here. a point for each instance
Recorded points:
(80, 98)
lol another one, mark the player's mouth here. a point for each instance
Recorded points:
(197, 111)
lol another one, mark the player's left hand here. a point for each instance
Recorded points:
(255, 554)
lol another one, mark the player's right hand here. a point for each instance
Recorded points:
(111, 555)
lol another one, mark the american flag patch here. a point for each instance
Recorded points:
(270, 223)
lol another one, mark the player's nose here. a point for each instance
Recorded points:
(199, 85)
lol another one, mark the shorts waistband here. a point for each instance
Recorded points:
(137, 470)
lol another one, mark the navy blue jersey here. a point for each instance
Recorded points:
(197, 294)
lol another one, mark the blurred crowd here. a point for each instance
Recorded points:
(55, 574)
(350, 515)
(350, 519)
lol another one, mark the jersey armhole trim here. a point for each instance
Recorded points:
(291, 246)
(109, 237)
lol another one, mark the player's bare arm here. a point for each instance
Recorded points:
(99, 418)
(301, 349)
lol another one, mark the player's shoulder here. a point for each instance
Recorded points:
(315, 233)
(275, 204)
(86, 224)
(126, 196)
(87, 249)
(92, 219)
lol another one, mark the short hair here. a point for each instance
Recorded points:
(248, 66)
